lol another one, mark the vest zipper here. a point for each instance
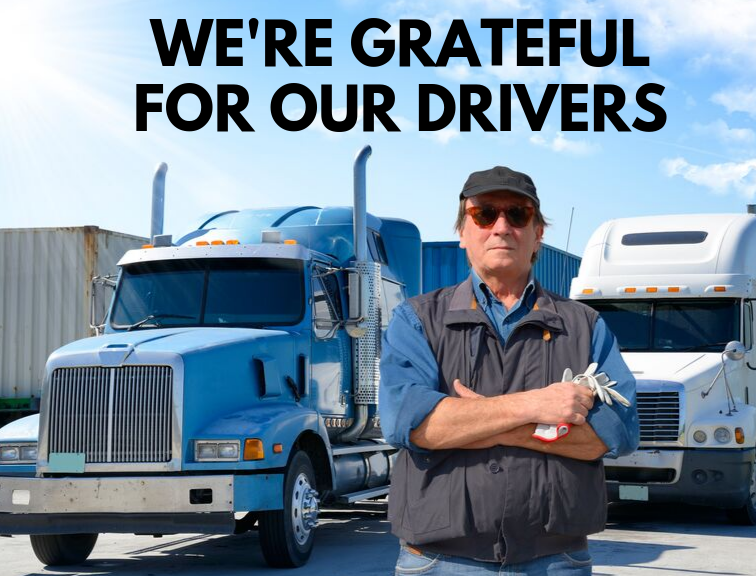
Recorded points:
(547, 357)
(477, 337)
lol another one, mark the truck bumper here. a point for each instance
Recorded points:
(151, 505)
(718, 478)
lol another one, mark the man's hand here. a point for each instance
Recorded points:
(562, 402)
(558, 403)
(464, 391)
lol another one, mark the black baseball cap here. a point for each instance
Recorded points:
(500, 178)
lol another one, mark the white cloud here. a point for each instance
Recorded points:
(443, 136)
(721, 131)
(457, 72)
(562, 144)
(434, 6)
(722, 178)
(714, 31)
(737, 100)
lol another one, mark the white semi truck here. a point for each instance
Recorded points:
(678, 292)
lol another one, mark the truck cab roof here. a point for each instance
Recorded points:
(311, 231)
(694, 254)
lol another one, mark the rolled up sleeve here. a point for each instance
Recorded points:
(409, 378)
(616, 425)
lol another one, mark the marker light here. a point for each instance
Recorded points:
(145, 246)
(587, 290)
(652, 289)
(673, 289)
(203, 243)
(290, 241)
(629, 290)
(277, 448)
(217, 242)
(230, 242)
(720, 288)
(253, 449)
(739, 436)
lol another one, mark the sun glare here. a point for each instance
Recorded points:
(27, 45)
(65, 74)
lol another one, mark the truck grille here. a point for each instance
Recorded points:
(659, 416)
(112, 414)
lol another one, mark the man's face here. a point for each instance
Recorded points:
(501, 250)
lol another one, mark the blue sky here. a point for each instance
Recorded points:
(70, 154)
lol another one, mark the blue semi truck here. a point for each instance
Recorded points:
(235, 384)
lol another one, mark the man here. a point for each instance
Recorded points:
(466, 374)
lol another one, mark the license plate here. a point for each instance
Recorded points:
(634, 493)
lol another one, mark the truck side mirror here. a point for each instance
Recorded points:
(734, 350)
(100, 293)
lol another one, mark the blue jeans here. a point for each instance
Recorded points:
(577, 563)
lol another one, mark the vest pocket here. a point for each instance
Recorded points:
(577, 497)
(428, 493)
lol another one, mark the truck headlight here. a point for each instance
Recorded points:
(29, 453)
(18, 453)
(9, 454)
(722, 435)
(216, 451)
(230, 451)
(699, 436)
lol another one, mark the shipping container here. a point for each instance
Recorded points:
(445, 264)
(45, 300)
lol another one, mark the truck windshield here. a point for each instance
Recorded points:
(671, 325)
(247, 292)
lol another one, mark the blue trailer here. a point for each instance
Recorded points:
(445, 264)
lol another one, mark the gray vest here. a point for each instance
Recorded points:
(500, 504)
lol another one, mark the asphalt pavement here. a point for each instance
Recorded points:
(641, 539)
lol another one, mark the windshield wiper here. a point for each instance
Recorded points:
(155, 317)
(700, 348)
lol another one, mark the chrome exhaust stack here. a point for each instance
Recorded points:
(158, 201)
(364, 323)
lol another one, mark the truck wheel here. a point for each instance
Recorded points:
(747, 514)
(63, 549)
(287, 535)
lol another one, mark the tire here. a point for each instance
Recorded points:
(746, 515)
(287, 536)
(63, 549)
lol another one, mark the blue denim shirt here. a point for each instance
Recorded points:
(502, 319)
(409, 374)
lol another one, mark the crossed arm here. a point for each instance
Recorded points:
(474, 421)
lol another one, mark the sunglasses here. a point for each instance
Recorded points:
(517, 216)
